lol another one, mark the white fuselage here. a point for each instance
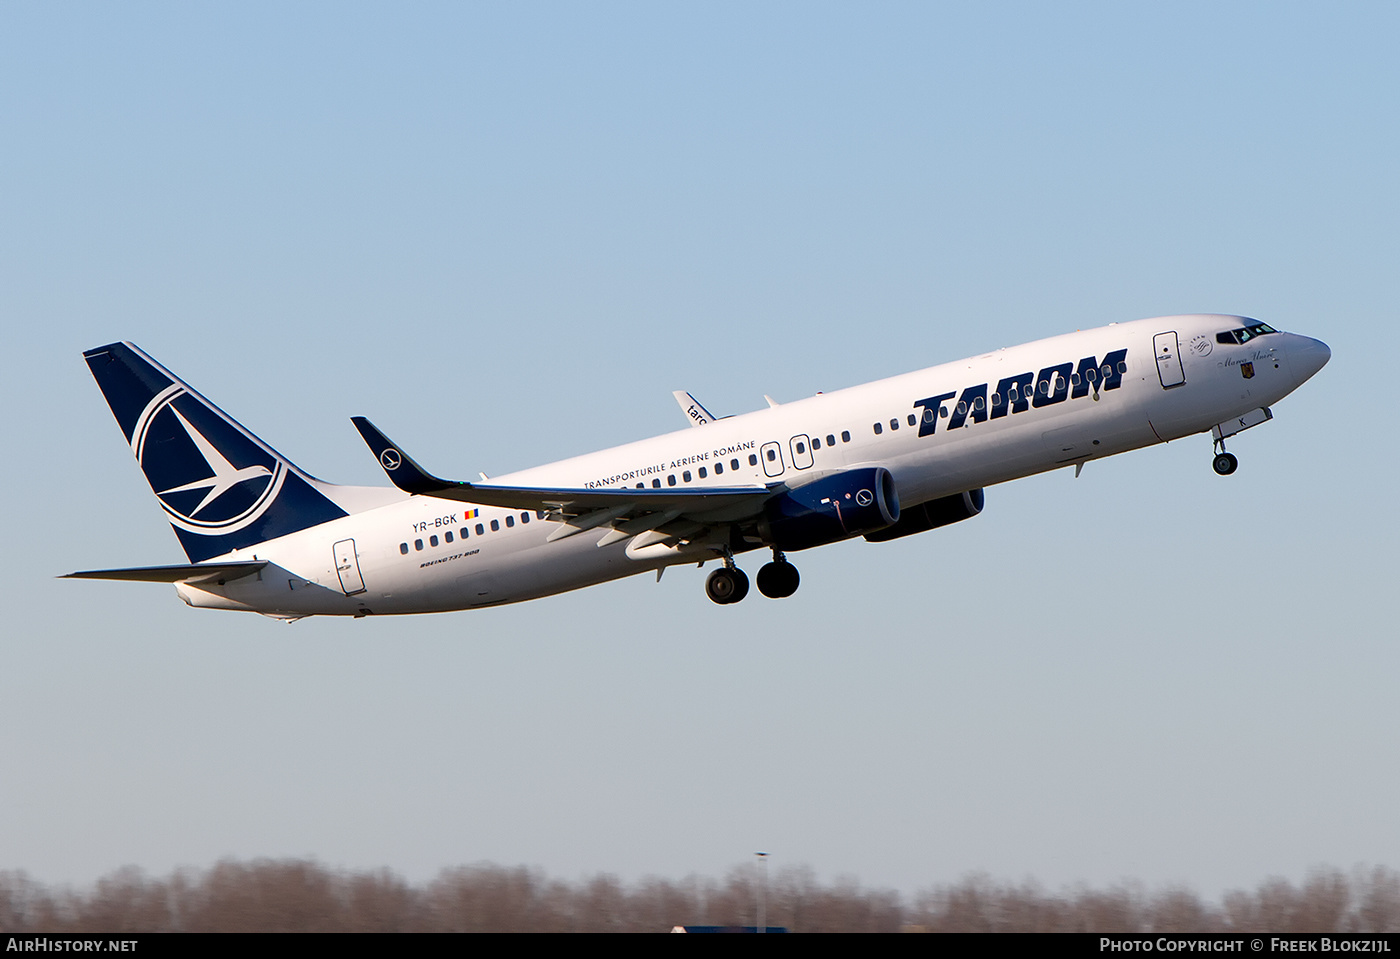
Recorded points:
(915, 425)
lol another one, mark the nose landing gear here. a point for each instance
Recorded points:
(1224, 463)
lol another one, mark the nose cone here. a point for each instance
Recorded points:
(1306, 356)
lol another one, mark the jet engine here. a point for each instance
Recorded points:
(832, 508)
(931, 515)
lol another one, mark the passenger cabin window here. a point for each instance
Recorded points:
(495, 526)
(703, 474)
(671, 480)
(432, 541)
(734, 464)
(878, 429)
(403, 548)
(753, 459)
(447, 537)
(845, 436)
(894, 424)
(510, 521)
(830, 439)
(418, 544)
(912, 419)
(719, 468)
(656, 484)
(480, 530)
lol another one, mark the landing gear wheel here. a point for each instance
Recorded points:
(727, 585)
(1226, 463)
(778, 579)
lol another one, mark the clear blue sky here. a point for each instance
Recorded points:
(506, 232)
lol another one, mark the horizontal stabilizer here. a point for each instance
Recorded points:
(197, 573)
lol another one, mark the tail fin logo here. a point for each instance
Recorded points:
(390, 459)
(209, 476)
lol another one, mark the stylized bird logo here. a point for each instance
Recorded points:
(226, 475)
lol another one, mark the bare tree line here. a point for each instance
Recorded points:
(303, 896)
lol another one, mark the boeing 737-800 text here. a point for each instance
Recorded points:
(883, 460)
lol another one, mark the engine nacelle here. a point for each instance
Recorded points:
(832, 508)
(931, 515)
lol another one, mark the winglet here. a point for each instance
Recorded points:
(694, 412)
(402, 471)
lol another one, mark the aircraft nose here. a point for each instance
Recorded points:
(1306, 356)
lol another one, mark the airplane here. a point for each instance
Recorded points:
(882, 460)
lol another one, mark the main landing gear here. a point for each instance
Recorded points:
(778, 579)
(728, 584)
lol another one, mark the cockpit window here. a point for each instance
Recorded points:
(1245, 334)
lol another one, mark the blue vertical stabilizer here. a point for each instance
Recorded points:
(221, 487)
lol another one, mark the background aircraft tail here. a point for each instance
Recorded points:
(221, 487)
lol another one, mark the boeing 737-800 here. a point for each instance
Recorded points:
(884, 460)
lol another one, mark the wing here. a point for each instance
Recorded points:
(663, 514)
